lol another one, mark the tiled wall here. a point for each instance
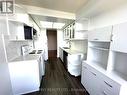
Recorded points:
(13, 48)
(79, 45)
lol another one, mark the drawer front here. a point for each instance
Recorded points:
(110, 87)
(106, 92)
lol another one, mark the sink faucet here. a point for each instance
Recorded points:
(69, 43)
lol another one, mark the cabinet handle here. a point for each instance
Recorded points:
(111, 38)
(96, 39)
(108, 84)
(94, 74)
(105, 93)
(16, 37)
(85, 67)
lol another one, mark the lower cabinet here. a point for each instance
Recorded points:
(90, 81)
(97, 83)
(61, 54)
(24, 76)
(41, 67)
(109, 87)
(65, 54)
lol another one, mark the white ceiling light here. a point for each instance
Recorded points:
(46, 24)
(58, 25)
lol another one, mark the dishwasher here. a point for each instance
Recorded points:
(65, 54)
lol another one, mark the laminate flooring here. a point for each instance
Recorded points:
(57, 81)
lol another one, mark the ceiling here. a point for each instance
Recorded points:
(39, 18)
(61, 5)
(89, 8)
(95, 7)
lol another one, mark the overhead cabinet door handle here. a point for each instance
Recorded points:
(108, 84)
(111, 37)
(96, 39)
(94, 74)
(85, 67)
(105, 93)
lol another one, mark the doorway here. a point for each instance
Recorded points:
(52, 43)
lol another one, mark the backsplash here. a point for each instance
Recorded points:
(13, 48)
(79, 45)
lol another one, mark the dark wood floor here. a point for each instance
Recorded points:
(57, 81)
(52, 53)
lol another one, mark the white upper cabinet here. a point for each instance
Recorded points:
(69, 32)
(100, 34)
(119, 38)
(81, 27)
(3, 26)
(16, 30)
(90, 79)
(81, 35)
(19, 17)
(81, 24)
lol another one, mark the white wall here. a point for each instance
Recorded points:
(41, 42)
(110, 17)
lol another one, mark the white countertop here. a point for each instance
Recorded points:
(69, 51)
(118, 77)
(26, 58)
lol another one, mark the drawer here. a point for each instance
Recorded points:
(110, 87)
(106, 92)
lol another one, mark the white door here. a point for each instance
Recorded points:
(119, 38)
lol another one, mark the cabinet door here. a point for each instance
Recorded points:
(19, 17)
(101, 34)
(91, 80)
(94, 83)
(119, 38)
(85, 78)
(61, 54)
(24, 76)
(81, 24)
(81, 35)
(68, 32)
(3, 26)
(5, 83)
(16, 30)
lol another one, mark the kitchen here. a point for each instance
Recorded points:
(91, 48)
